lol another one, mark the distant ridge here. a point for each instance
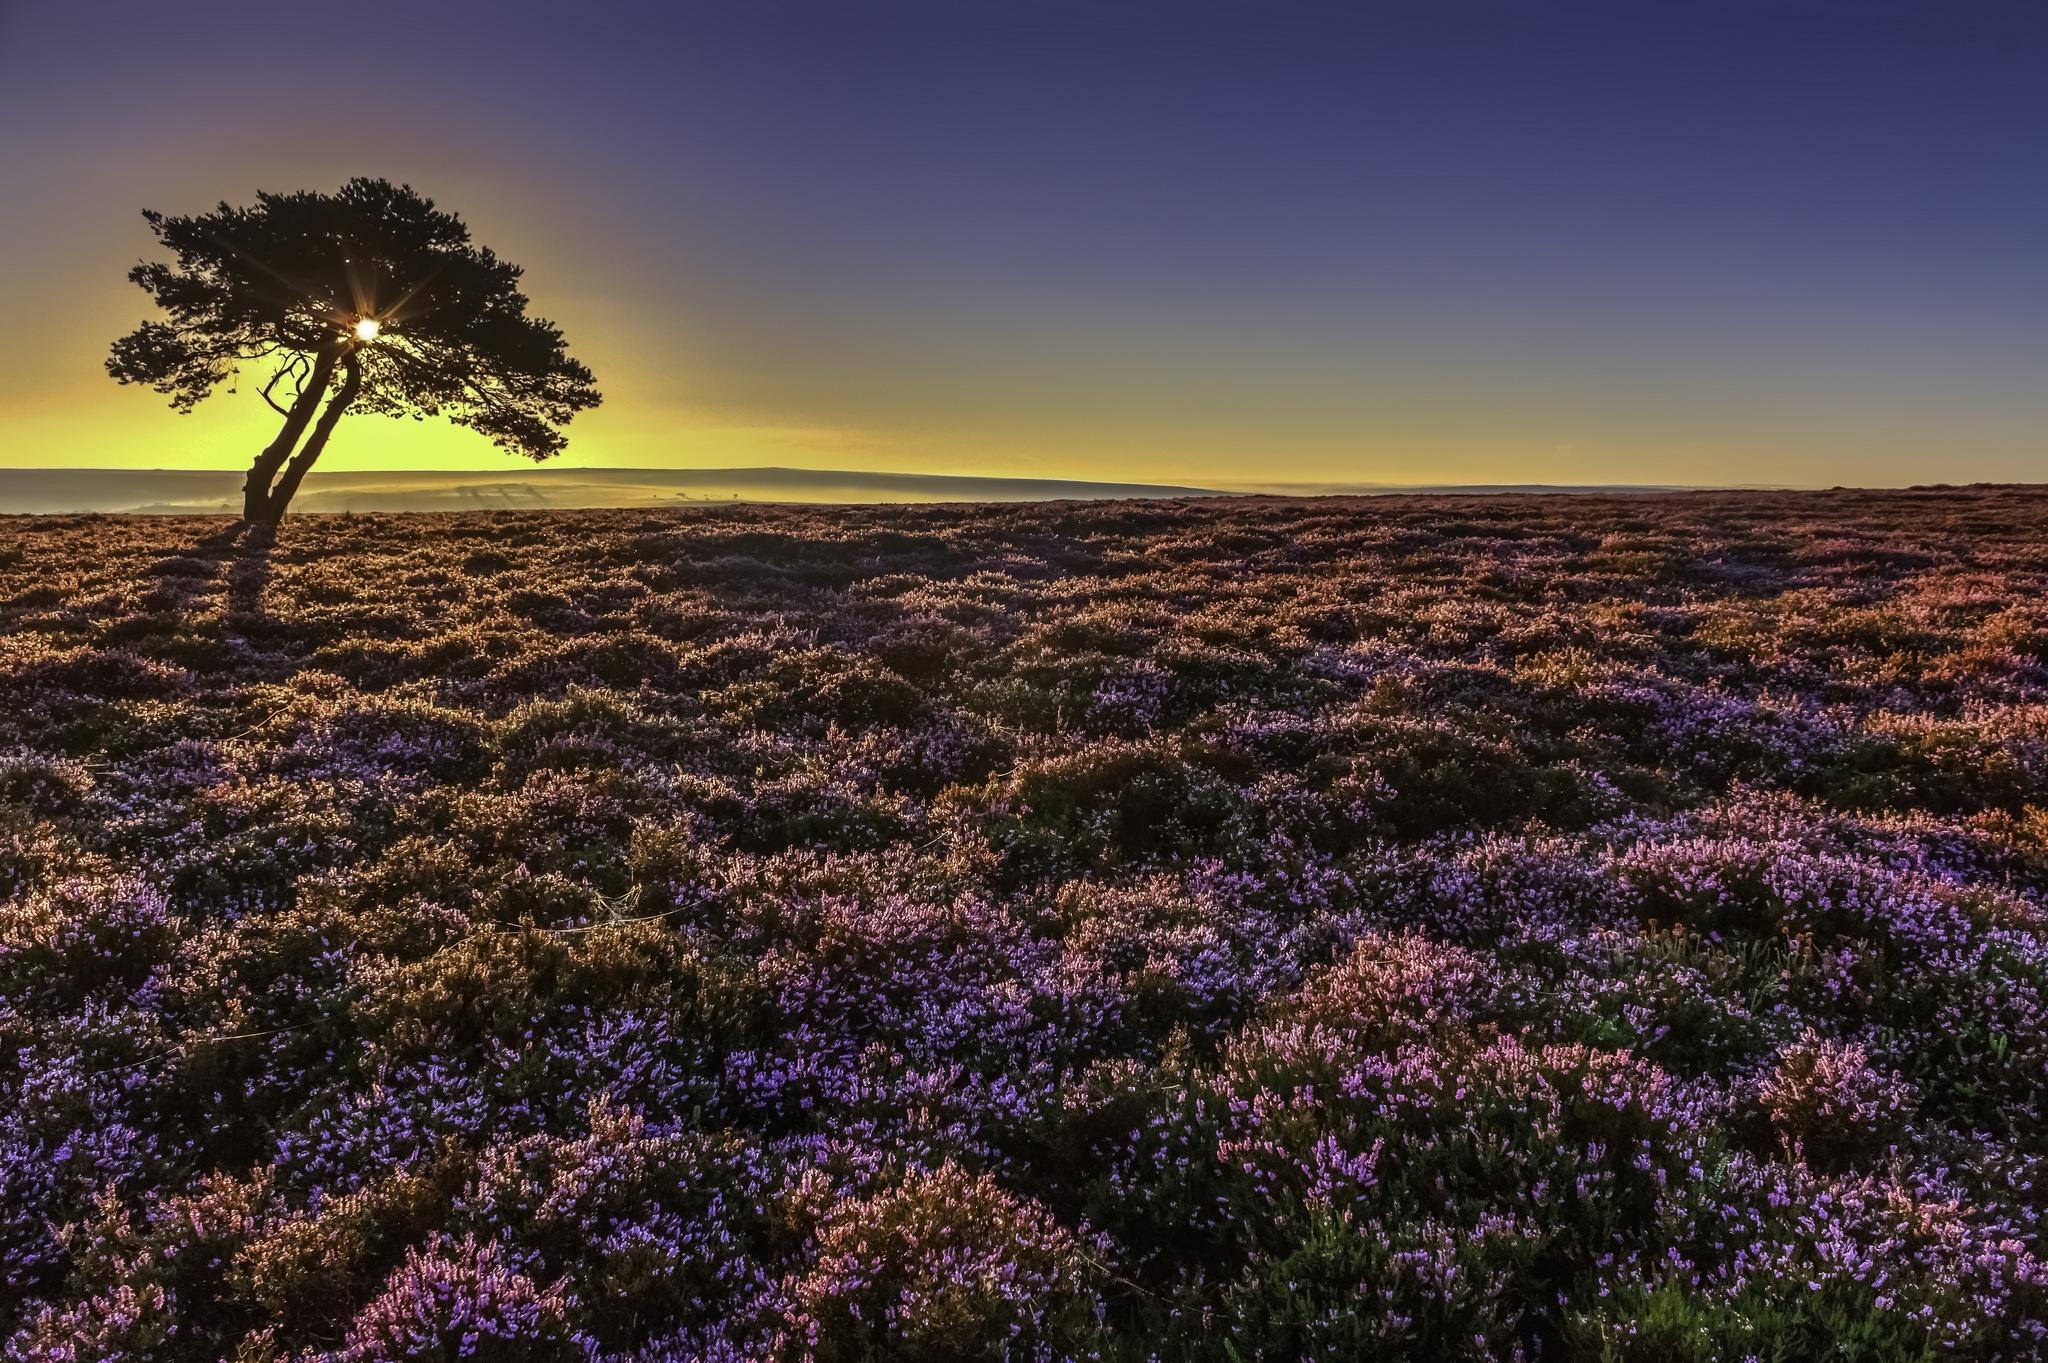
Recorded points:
(213, 491)
(203, 491)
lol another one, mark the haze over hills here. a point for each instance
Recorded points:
(207, 491)
(200, 491)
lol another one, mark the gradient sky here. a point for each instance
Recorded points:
(1714, 242)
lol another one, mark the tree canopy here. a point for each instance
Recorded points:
(373, 284)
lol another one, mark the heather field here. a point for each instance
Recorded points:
(1607, 928)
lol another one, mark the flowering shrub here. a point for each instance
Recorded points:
(1604, 927)
(462, 1299)
(946, 1265)
(1823, 1096)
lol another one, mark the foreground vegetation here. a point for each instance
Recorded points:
(1410, 929)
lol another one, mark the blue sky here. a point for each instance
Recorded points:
(1791, 242)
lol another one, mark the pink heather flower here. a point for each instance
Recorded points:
(1825, 1094)
(463, 1299)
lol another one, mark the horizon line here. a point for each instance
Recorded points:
(1231, 487)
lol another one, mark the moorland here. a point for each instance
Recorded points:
(1408, 928)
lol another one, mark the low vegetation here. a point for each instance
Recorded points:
(1594, 928)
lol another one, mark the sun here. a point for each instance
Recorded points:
(367, 329)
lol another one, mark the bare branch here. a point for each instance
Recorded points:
(297, 366)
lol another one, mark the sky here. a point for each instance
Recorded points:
(1790, 243)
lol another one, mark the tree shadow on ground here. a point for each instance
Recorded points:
(215, 586)
(248, 575)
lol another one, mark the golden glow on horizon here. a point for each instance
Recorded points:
(367, 329)
(1122, 404)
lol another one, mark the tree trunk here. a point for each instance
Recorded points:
(288, 485)
(256, 491)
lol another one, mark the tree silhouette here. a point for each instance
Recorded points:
(371, 292)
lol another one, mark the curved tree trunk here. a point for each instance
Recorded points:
(256, 490)
(287, 485)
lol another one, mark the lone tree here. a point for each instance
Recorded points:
(371, 292)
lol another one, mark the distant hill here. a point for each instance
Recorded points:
(204, 491)
(199, 491)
